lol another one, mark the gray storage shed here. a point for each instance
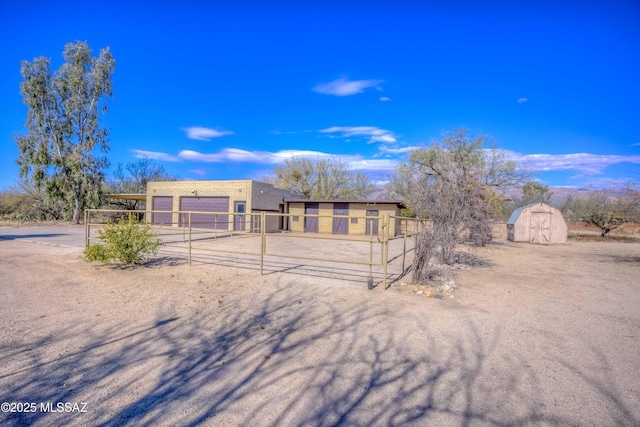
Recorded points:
(537, 223)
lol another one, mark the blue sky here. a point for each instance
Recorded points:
(227, 90)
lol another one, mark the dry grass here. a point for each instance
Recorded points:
(581, 232)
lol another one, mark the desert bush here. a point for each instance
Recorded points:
(126, 241)
(454, 183)
(23, 202)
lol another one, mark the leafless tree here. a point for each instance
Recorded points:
(453, 183)
(326, 178)
(133, 178)
(607, 209)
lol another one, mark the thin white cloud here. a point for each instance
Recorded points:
(522, 100)
(205, 134)
(198, 172)
(602, 183)
(385, 99)
(260, 157)
(397, 150)
(155, 155)
(374, 134)
(279, 132)
(589, 164)
(345, 87)
(373, 165)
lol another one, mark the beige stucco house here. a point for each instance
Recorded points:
(237, 204)
(231, 203)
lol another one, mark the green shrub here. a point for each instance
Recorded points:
(126, 241)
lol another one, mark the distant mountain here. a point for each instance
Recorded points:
(559, 194)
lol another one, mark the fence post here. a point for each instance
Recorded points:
(189, 238)
(385, 248)
(262, 240)
(86, 229)
(404, 247)
(370, 278)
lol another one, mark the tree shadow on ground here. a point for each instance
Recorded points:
(273, 265)
(622, 259)
(29, 236)
(286, 359)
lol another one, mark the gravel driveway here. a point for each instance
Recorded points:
(547, 335)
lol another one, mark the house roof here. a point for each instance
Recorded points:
(128, 196)
(368, 202)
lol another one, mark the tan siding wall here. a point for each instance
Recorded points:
(296, 209)
(325, 224)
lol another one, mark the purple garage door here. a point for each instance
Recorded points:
(219, 221)
(162, 203)
(371, 227)
(340, 225)
(311, 223)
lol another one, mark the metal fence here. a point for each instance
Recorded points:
(251, 235)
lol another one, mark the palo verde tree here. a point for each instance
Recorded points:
(326, 178)
(531, 192)
(64, 149)
(534, 192)
(453, 183)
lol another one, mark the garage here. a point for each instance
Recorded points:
(218, 220)
(162, 203)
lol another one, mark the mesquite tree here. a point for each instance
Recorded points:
(326, 178)
(453, 183)
(606, 209)
(63, 150)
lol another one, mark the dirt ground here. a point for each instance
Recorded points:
(546, 335)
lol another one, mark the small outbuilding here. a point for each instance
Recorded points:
(537, 223)
(350, 217)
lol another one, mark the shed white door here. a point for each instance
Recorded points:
(540, 227)
(218, 220)
(162, 203)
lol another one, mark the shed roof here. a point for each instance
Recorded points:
(515, 214)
